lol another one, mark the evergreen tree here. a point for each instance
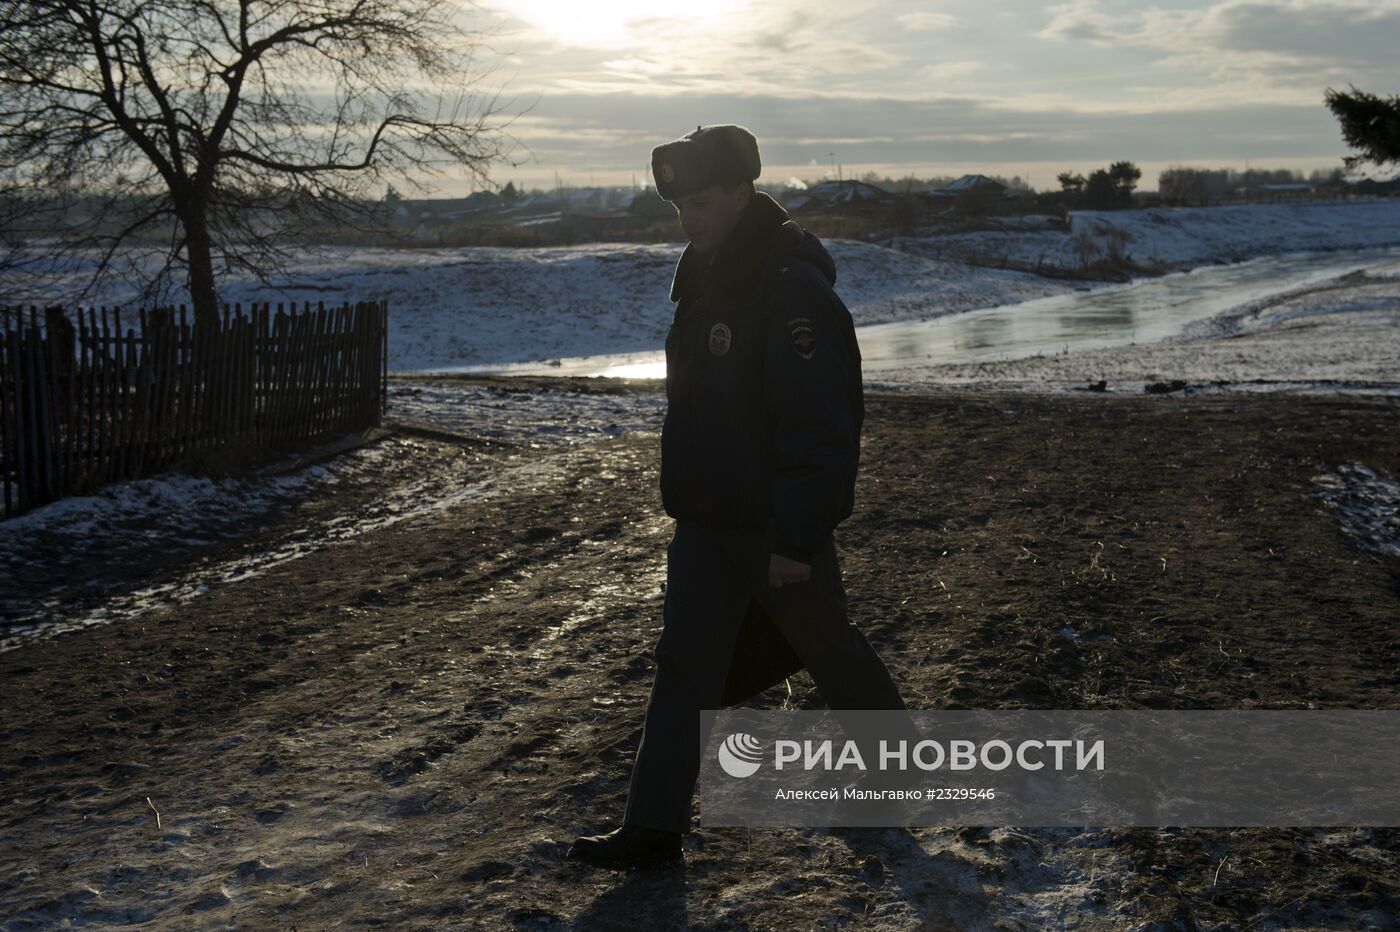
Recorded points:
(1069, 181)
(1370, 125)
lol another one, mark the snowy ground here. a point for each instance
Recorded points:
(489, 305)
(1185, 236)
(1339, 334)
(70, 553)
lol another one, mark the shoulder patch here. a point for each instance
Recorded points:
(720, 338)
(802, 336)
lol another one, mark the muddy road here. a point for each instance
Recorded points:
(408, 726)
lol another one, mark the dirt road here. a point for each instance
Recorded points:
(407, 728)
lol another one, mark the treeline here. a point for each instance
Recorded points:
(911, 182)
(1102, 189)
(1183, 185)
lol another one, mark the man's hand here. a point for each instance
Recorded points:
(783, 570)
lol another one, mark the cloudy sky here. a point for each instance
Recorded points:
(996, 86)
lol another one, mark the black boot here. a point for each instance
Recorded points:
(628, 846)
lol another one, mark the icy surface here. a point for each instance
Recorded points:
(1366, 503)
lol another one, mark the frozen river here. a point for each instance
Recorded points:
(1139, 312)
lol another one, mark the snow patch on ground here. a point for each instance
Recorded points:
(533, 417)
(423, 493)
(1183, 236)
(175, 517)
(1366, 503)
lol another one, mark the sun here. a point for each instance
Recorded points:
(605, 22)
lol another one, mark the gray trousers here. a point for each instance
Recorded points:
(711, 577)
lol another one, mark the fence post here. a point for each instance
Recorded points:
(384, 356)
(9, 423)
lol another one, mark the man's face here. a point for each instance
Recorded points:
(707, 216)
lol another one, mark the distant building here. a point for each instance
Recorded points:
(588, 199)
(840, 194)
(1389, 188)
(444, 210)
(972, 193)
(973, 184)
(648, 204)
(533, 203)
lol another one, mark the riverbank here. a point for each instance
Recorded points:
(1336, 336)
(1339, 335)
(492, 306)
(409, 725)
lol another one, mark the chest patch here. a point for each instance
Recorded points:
(804, 340)
(720, 338)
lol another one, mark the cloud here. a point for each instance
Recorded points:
(763, 47)
(635, 66)
(1339, 31)
(922, 20)
(1230, 80)
(1266, 50)
(948, 70)
(1321, 30)
(1083, 20)
(620, 129)
(778, 44)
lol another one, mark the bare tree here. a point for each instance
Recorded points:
(208, 131)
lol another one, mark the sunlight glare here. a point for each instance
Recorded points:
(636, 370)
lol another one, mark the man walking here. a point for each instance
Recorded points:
(759, 452)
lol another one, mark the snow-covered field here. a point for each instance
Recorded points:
(490, 305)
(1186, 236)
(482, 306)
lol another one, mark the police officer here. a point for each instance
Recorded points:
(759, 451)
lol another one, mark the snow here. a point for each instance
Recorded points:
(484, 305)
(1366, 502)
(1186, 236)
(487, 306)
(173, 517)
(1335, 334)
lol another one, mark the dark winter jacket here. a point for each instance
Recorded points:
(763, 386)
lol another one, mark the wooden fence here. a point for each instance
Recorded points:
(83, 403)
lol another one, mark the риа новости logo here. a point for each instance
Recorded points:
(739, 755)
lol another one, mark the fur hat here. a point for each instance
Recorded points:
(723, 153)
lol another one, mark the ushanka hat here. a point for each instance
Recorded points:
(723, 153)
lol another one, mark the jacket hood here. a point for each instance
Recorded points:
(764, 229)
